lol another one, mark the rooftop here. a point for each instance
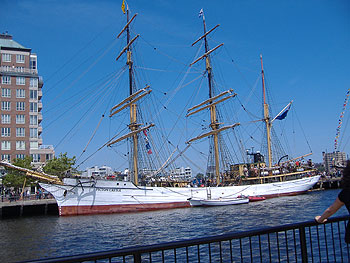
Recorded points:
(7, 41)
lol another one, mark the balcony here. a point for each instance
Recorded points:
(40, 106)
(40, 130)
(40, 94)
(40, 117)
(18, 71)
(41, 82)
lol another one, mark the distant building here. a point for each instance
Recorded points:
(334, 158)
(181, 173)
(21, 106)
(96, 171)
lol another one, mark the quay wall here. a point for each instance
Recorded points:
(28, 208)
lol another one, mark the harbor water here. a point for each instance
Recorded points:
(37, 237)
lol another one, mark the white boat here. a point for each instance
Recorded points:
(81, 196)
(218, 202)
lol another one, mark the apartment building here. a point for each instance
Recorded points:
(20, 104)
(333, 158)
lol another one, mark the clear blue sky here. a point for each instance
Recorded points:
(305, 45)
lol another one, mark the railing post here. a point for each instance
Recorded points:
(303, 244)
(137, 258)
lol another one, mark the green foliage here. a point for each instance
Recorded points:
(59, 166)
(15, 178)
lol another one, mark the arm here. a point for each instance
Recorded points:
(329, 211)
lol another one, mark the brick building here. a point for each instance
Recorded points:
(20, 103)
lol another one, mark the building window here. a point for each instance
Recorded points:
(35, 157)
(5, 93)
(20, 132)
(33, 83)
(5, 132)
(33, 94)
(5, 118)
(20, 93)
(34, 145)
(33, 132)
(20, 119)
(5, 145)
(20, 106)
(20, 58)
(33, 120)
(20, 145)
(5, 80)
(20, 156)
(32, 63)
(6, 157)
(33, 107)
(6, 57)
(5, 105)
(20, 80)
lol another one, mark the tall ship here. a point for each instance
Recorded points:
(81, 196)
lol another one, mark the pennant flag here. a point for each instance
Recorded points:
(148, 147)
(283, 114)
(123, 6)
(200, 13)
(340, 121)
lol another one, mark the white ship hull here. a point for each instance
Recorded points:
(83, 196)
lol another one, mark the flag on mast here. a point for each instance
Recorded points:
(283, 115)
(201, 13)
(148, 147)
(123, 6)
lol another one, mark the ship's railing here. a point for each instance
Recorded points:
(300, 242)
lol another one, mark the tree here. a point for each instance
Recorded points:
(59, 166)
(15, 178)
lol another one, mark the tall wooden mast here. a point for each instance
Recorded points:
(133, 108)
(267, 118)
(214, 125)
(213, 120)
(131, 101)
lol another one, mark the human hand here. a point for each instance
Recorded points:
(317, 219)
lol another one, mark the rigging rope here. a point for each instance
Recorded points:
(92, 136)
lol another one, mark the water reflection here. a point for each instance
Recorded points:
(50, 236)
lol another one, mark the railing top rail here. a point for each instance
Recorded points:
(185, 243)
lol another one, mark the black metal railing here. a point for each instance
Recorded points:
(301, 242)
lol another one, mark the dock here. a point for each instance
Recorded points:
(19, 208)
(328, 183)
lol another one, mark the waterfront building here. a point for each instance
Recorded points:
(181, 173)
(103, 171)
(333, 158)
(20, 104)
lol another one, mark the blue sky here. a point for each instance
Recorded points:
(305, 46)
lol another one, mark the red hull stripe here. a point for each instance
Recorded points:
(109, 209)
(284, 194)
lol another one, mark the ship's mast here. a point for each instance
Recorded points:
(211, 102)
(130, 101)
(133, 108)
(213, 120)
(267, 118)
